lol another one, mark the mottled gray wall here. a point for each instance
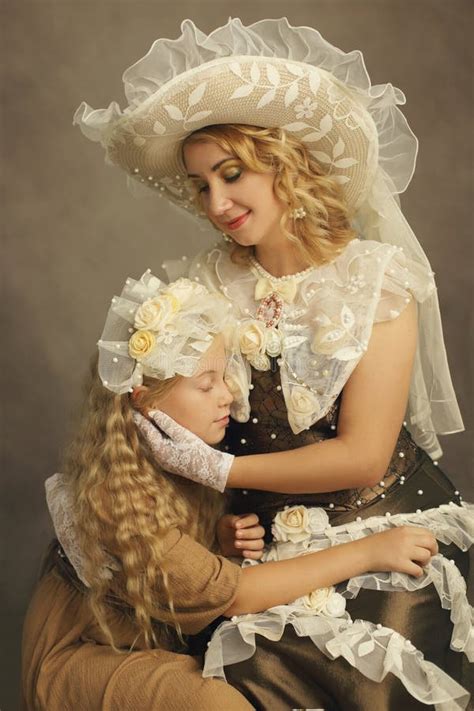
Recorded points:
(73, 232)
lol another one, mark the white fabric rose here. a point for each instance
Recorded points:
(184, 290)
(302, 407)
(291, 524)
(154, 313)
(336, 605)
(273, 342)
(318, 520)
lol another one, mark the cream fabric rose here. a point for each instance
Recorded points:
(260, 361)
(252, 338)
(317, 599)
(141, 344)
(291, 524)
(302, 407)
(154, 313)
(184, 290)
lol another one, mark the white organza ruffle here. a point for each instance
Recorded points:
(371, 648)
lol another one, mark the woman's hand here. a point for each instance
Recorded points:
(179, 451)
(240, 536)
(405, 550)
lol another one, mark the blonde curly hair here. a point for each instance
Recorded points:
(299, 182)
(125, 505)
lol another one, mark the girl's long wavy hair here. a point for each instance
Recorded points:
(299, 182)
(125, 505)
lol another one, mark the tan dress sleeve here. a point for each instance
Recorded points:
(202, 585)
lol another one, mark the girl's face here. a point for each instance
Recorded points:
(202, 403)
(238, 201)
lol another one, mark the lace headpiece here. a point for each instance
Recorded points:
(158, 329)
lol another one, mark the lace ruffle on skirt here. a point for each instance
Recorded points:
(373, 649)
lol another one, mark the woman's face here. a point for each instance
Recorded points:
(238, 201)
(202, 403)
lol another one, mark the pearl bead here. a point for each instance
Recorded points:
(379, 626)
(254, 420)
(106, 382)
(358, 519)
(382, 483)
(244, 492)
(435, 463)
(456, 493)
(251, 386)
(333, 427)
(388, 514)
(402, 478)
(130, 330)
(331, 506)
(273, 435)
(382, 496)
(420, 492)
(359, 502)
(401, 455)
(418, 511)
(278, 387)
(243, 441)
(136, 170)
(115, 360)
(405, 423)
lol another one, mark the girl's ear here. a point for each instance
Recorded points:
(136, 396)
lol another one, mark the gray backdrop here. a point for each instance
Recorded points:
(73, 232)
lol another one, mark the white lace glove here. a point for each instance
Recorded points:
(182, 452)
(60, 505)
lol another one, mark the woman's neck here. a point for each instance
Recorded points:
(280, 259)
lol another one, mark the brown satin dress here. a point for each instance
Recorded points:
(292, 673)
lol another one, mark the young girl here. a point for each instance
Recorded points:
(281, 141)
(142, 569)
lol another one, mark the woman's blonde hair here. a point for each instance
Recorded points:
(299, 183)
(125, 505)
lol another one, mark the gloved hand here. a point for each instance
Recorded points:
(183, 453)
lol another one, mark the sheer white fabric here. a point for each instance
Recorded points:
(325, 331)
(371, 648)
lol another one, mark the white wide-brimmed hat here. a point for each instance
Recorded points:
(268, 74)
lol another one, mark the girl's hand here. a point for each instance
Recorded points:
(405, 550)
(240, 536)
(179, 451)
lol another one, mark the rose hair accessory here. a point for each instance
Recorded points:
(159, 330)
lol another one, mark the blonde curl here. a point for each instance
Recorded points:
(125, 506)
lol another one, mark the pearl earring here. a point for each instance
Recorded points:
(226, 237)
(298, 213)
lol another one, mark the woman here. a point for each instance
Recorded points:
(105, 626)
(292, 154)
